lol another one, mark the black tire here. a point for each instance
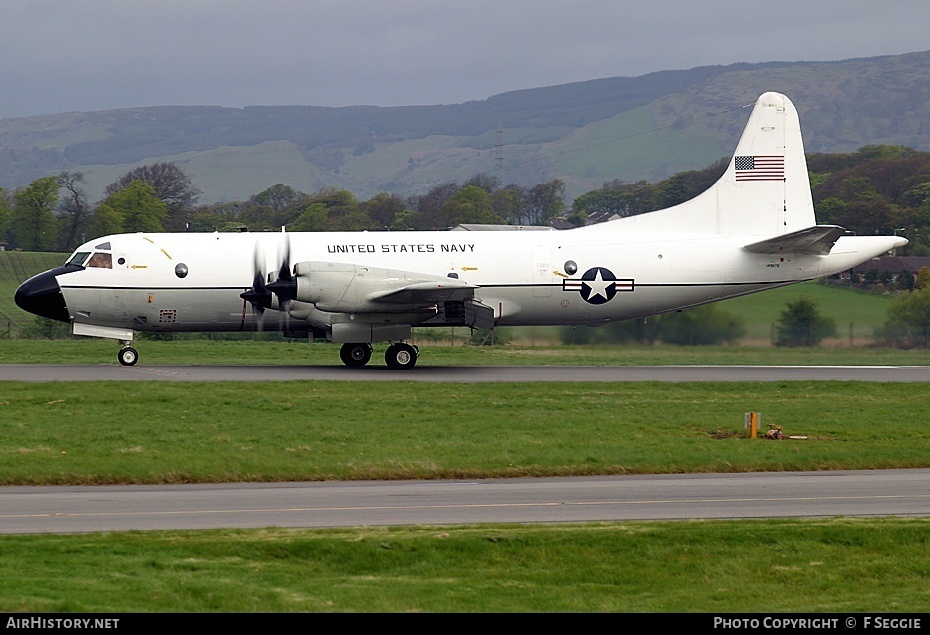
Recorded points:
(128, 356)
(400, 356)
(355, 355)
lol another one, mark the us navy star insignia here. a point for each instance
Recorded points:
(598, 285)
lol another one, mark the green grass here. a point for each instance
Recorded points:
(857, 314)
(771, 566)
(154, 432)
(15, 268)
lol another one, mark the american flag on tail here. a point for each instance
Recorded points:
(760, 168)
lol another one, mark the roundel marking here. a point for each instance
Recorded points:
(598, 285)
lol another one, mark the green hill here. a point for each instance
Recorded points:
(584, 133)
(15, 268)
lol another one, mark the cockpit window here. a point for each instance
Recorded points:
(78, 258)
(101, 261)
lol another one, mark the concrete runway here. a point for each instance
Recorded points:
(50, 372)
(544, 500)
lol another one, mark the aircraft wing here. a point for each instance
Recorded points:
(817, 240)
(422, 293)
(455, 300)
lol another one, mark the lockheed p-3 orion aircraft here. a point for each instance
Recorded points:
(753, 230)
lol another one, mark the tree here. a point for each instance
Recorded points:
(277, 197)
(703, 325)
(509, 203)
(617, 198)
(471, 204)
(923, 278)
(138, 208)
(33, 218)
(909, 319)
(383, 209)
(428, 207)
(172, 186)
(904, 281)
(4, 216)
(801, 324)
(105, 220)
(544, 202)
(73, 210)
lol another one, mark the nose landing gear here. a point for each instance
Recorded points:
(127, 356)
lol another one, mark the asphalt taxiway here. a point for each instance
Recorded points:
(76, 509)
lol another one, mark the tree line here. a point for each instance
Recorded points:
(53, 214)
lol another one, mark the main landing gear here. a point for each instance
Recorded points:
(401, 356)
(355, 355)
(398, 356)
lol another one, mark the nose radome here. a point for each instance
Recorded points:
(41, 295)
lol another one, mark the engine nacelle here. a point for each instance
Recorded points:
(348, 288)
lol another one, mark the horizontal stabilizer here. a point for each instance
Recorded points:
(817, 240)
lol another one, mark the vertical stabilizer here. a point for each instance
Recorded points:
(765, 190)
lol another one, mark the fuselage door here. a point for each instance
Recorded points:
(542, 272)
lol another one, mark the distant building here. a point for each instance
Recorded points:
(892, 264)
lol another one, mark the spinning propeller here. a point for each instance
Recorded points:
(261, 295)
(285, 286)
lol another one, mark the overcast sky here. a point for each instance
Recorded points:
(78, 55)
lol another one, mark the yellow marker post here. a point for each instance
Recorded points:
(751, 421)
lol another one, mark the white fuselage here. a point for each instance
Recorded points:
(526, 277)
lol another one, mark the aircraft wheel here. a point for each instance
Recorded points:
(401, 356)
(128, 356)
(355, 355)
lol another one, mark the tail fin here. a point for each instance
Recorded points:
(765, 190)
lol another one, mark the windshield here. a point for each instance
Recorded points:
(78, 258)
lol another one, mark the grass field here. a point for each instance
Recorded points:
(154, 432)
(770, 567)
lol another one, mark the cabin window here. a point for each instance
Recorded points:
(78, 258)
(101, 260)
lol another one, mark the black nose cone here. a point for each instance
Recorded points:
(41, 295)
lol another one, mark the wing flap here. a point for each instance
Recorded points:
(817, 240)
